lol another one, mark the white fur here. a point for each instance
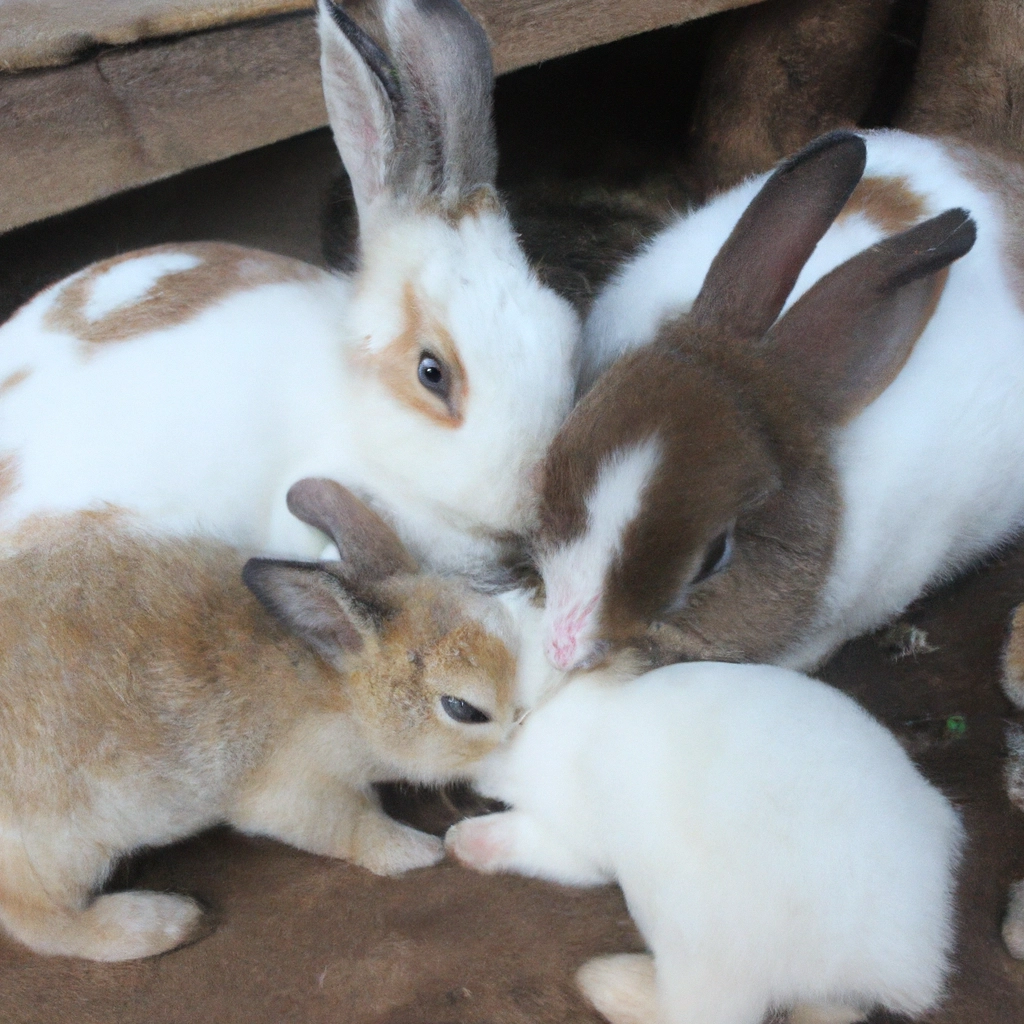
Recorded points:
(931, 472)
(574, 573)
(774, 843)
(204, 425)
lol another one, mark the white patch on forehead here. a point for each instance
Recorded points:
(574, 574)
(127, 282)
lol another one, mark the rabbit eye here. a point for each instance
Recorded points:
(716, 558)
(460, 710)
(432, 375)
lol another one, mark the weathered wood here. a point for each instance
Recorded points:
(128, 116)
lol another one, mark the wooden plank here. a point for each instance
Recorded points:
(129, 116)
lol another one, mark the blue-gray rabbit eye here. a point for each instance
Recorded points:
(432, 375)
(460, 710)
(716, 558)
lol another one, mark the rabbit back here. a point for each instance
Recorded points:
(758, 817)
(148, 383)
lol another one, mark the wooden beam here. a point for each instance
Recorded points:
(132, 115)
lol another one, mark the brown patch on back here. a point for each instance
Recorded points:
(889, 202)
(174, 298)
(1003, 179)
(397, 365)
(12, 380)
(479, 201)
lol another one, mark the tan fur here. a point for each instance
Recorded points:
(397, 365)
(145, 694)
(480, 201)
(622, 987)
(1003, 179)
(176, 297)
(889, 202)
(12, 380)
(777, 75)
(968, 80)
(1013, 660)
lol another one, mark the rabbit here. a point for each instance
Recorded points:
(191, 384)
(1013, 687)
(775, 844)
(740, 489)
(147, 694)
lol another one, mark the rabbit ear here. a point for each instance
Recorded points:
(754, 272)
(410, 110)
(845, 340)
(370, 549)
(310, 603)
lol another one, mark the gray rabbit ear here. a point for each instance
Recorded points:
(751, 277)
(370, 549)
(409, 88)
(312, 604)
(845, 340)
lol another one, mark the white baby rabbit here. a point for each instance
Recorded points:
(775, 845)
(191, 384)
(146, 694)
(757, 487)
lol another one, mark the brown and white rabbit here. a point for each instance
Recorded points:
(741, 489)
(191, 384)
(146, 694)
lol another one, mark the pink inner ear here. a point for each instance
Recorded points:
(564, 649)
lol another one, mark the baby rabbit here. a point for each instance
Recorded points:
(775, 845)
(741, 489)
(191, 384)
(147, 694)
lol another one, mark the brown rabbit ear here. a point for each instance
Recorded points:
(311, 603)
(848, 337)
(754, 272)
(370, 549)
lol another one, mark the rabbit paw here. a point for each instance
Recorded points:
(129, 925)
(391, 848)
(484, 844)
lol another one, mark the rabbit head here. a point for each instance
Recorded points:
(690, 507)
(428, 665)
(450, 330)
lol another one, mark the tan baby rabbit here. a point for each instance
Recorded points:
(146, 694)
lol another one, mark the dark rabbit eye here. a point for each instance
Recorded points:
(716, 558)
(460, 710)
(432, 375)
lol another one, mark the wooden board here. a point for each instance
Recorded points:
(126, 116)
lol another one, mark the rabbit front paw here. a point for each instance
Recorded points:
(387, 847)
(484, 844)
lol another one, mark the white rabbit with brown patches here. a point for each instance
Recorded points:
(775, 845)
(146, 694)
(191, 384)
(748, 486)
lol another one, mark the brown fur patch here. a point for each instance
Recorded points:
(1013, 660)
(481, 200)
(1003, 179)
(174, 298)
(12, 380)
(398, 363)
(888, 202)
